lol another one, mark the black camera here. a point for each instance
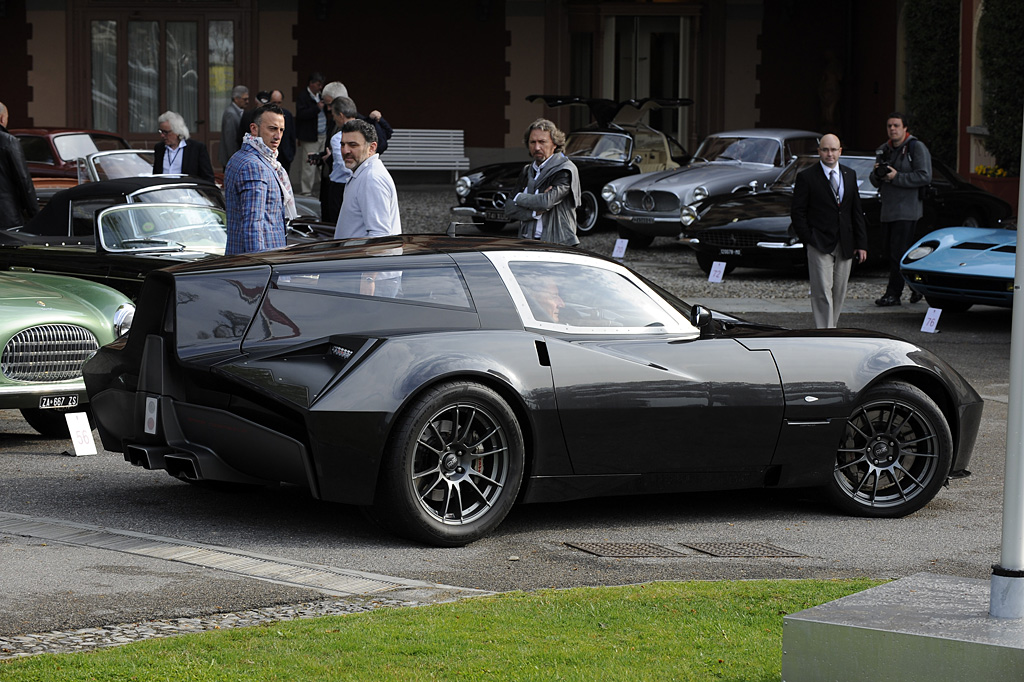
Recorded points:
(883, 158)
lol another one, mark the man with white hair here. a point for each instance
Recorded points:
(229, 122)
(175, 154)
(17, 193)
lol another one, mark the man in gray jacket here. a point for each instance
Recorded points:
(903, 169)
(548, 190)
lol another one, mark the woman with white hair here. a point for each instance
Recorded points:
(176, 154)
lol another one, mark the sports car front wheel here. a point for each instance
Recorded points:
(453, 467)
(894, 455)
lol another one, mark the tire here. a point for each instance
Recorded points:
(948, 305)
(453, 466)
(706, 262)
(51, 423)
(972, 220)
(588, 214)
(636, 241)
(894, 455)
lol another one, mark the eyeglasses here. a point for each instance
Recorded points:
(829, 149)
(164, 132)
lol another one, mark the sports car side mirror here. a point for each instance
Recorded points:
(700, 317)
(637, 159)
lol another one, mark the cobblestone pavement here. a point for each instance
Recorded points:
(85, 639)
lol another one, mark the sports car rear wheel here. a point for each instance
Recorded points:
(894, 455)
(453, 467)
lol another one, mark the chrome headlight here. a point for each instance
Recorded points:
(687, 215)
(615, 207)
(123, 317)
(700, 193)
(920, 252)
(463, 185)
(608, 193)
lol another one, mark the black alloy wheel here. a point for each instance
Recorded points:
(453, 467)
(894, 455)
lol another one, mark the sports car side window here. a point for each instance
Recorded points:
(436, 285)
(582, 298)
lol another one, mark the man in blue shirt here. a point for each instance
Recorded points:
(257, 190)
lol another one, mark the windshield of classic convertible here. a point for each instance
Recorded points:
(583, 295)
(163, 227)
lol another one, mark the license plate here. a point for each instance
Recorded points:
(55, 401)
(643, 220)
(731, 252)
(497, 216)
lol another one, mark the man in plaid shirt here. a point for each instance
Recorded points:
(257, 190)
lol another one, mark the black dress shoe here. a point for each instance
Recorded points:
(915, 297)
(887, 301)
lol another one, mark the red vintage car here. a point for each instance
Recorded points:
(53, 152)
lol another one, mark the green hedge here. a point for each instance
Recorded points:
(1001, 50)
(933, 56)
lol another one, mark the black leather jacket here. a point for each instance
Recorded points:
(17, 194)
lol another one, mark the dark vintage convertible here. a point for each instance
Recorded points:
(753, 229)
(437, 380)
(116, 231)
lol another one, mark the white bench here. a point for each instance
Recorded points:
(421, 149)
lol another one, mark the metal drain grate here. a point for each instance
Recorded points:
(625, 549)
(740, 549)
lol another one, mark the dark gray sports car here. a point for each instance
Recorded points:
(437, 380)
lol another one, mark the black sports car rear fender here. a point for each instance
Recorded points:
(350, 424)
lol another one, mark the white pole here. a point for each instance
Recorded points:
(1007, 584)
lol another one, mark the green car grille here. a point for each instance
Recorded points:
(49, 352)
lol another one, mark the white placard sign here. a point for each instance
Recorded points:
(931, 320)
(81, 433)
(717, 270)
(620, 248)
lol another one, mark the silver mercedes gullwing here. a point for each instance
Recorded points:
(649, 205)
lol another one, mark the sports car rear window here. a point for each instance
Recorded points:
(434, 285)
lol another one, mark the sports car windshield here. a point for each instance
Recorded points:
(604, 146)
(862, 165)
(163, 227)
(584, 296)
(746, 149)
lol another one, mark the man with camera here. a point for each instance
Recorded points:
(903, 169)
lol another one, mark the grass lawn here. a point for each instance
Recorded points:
(656, 631)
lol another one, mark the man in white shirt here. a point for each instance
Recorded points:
(371, 200)
(370, 208)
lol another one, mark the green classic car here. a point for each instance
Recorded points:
(49, 326)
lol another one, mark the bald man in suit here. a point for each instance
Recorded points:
(829, 221)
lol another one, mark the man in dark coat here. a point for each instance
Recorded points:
(829, 221)
(17, 193)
